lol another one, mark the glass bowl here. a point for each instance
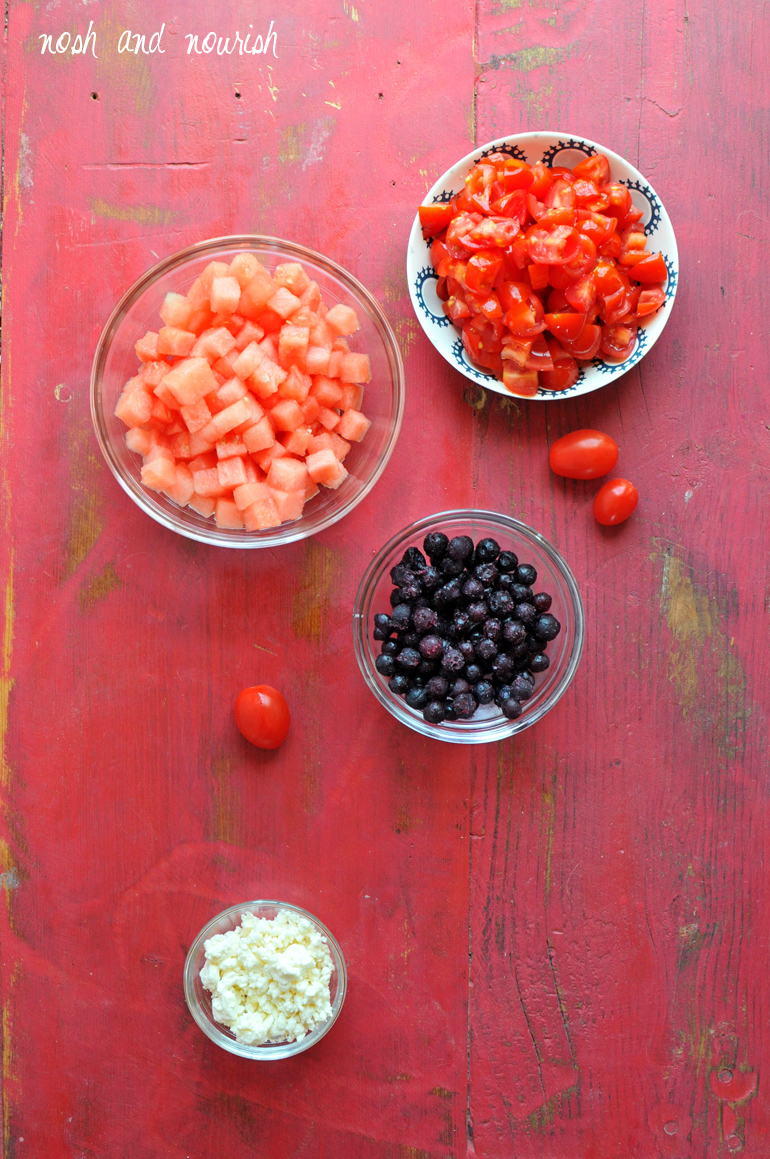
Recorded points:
(115, 362)
(554, 576)
(199, 999)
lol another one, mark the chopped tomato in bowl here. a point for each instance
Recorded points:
(553, 263)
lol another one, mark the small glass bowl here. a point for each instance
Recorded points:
(199, 999)
(553, 576)
(115, 362)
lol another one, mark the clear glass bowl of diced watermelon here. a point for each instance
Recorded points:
(116, 362)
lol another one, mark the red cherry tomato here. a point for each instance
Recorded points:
(615, 501)
(262, 715)
(583, 454)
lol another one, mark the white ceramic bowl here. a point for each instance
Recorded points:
(553, 149)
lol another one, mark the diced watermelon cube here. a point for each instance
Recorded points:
(296, 442)
(253, 473)
(214, 343)
(335, 359)
(342, 319)
(196, 416)
(153, 373)
(341, 344)
(259, 289)
(248, 360)
(269, 348)
(190, 380)
(176, 311)
(230, 446)
(292, 276)
(200, 291)
(226, 420)
(317, 360)
(250, 333)
(202, 505)
(311, 296)
(287, 475)
(327, 391)
(134, 406)
(173, 340)
(231, 472)
(199, 445)
(200, 320)
(339, 446)
(159, 474)
(311, 489)
(183, 489)
(328, 418)
(286, 415)
(355, 368)
(226, 513)
(289, 504)
(248, 493)
(225, 294)
(353, 426)
(352, 396)
(224, 365)
(244, 267)
(207, 483)
(296, 385)
(180, 446)
(256, 412)
(259, 437)
(322, 335)
(320, 442)
(292, 345)
(265, 458)
(311, 408)
(266, 379)
(283, 302)
(204, 462)
(138, 440)
(261, 514)
(231, 391)
(324, 467)
(147, 347)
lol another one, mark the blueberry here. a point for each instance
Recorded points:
(514, 632)
(449, 711)
(399, 684)
(546, 627)
(401, 616)
(408, 658)
(401, 574)
(506, 581)
(424, 619)
(453, 660)
(379, 635)
(460, 621)
(468, 650)
(435, 544)
(478, 613)
(522, 689)
(507, 561)
(408, 639)
(484, 692)
(487, 550)
(382, 621)
(434, 712)
(526, 574)
(431, 578)
(501, 603)
(389, 648)
(502, 665)
(511, 708)
(448, 594)
(385, 665)
(542, 601)
(395, 597)
(414, 559)
(451, 567)
(411, 591)
(460, 547)
(431, 648)
(528, 677)
(417, 697)
(525, 612)
(458, 687)
(534, 645)
(486, 649)
(473, 589)
(504, 692)
(465, 705)
(437, 687)
(521, 593)
(473, 673)
(522, 652)
(540, 662)
(486, 572)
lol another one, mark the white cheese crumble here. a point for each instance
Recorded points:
(269, 978)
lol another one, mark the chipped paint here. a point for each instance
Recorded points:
(85, 522)
(321, 132)
(227, 804)
(10, 1079)
(6, 680)
(143, 214)
(334, 104)
(315, 586)
(528, 59)
(290, 144)
(24, 178)
(98, 587)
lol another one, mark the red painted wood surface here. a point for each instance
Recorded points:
(557, 947)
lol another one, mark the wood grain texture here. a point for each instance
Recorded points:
(608, 871)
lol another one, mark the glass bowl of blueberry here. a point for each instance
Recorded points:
(468, 626)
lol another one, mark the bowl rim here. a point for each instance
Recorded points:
(500, 728)
(415, 236)
(218, 1034)
(289, 532)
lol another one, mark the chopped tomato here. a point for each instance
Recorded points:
(561, 195)
(587, 344)
(542, 179)
(483, 267)
(555, 246)
(650, 300)
(456, 308)
(517, 350)
(618, 341)
(595, 168)
(539, 355)
(523, 383)
(651, 269)
(538, 276)
(581, 294)
(435, 218)
(565, 369)
(595, 225)
(565, 327)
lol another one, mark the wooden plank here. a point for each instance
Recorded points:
(133, 812)
(618, 902)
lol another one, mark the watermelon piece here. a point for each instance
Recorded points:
(296, 385)
(229, 446)
(225, 294)
(224, 365)
(159, 474)
(204, 462)
(292, 276)
(292, 345)
(328, 418)
(342, 320)
(249, 333)
(288, 504)
(317, 360)
(320, 442)
(335, 360)
(259, 290)
(180, 446)
(147, 347)
(231, 391)
(153, 373)
(199, 445)
(256, 412)
(311, 408)
(196, 416)
(200, 320)
(266, 457)
(227, 514)
(248, 360)
(214, 343)
(261, 515)
(324, 467)
(355, 368)
(190, 380)
(340, 446)
(259, 437)
(226, 420)
(176, 311)
(266, 379)
(139, 440)
(311, 295)
(283, 303)
(311, 489)
(327, 391)
(296, 442)
(207, 483)
(352, 396)
(287, 474)
(322, 335)
(183, 489)
(134, 406)
(230, 472)
(353, 426)
(244, 267)
(202, 505)
(175, 341)
(286, 415)
(248, 493)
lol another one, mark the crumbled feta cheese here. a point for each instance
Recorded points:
(269, 978)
